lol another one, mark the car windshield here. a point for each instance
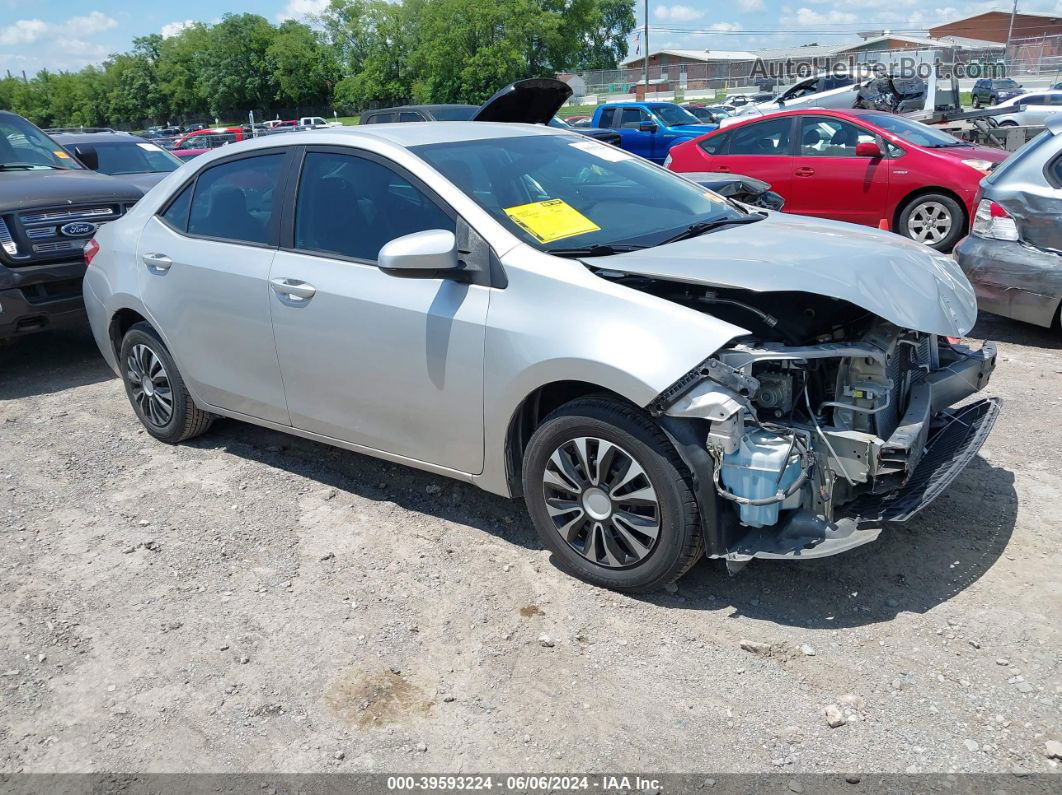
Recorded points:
(914, 132)
(133, 157)
(564, 191)
(458, 113)
(559, 124)
(1007, 83)
(673, 114)
(24, 147)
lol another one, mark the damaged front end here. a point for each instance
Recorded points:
(822, 425)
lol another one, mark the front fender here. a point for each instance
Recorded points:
(557, 321)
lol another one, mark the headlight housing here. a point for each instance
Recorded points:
(984, 166)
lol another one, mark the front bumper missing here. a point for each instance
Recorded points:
(947, 453)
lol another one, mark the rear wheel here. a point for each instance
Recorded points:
(934, 219)
(156, 390)
(609, 496)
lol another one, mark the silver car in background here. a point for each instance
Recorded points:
(1028, 110)
(1013, 255)
(660, 372)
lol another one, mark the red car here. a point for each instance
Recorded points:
(201, 141)
(860, 166)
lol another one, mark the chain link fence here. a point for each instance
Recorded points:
(673, 78)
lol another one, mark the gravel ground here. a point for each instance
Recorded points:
(252, 601)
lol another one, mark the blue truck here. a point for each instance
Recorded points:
(650, 129)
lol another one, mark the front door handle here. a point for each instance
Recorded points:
(159, 262)
(804, 171)
(294, 289)
(722, 168)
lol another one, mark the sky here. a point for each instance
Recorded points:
(68, 34)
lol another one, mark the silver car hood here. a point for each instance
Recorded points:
(903, 282)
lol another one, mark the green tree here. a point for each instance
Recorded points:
(304, 69)
(373, 39)
(235, 75)
(180, 72)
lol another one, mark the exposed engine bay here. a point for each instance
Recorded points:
(824, 422)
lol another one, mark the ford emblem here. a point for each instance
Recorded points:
(78, 229)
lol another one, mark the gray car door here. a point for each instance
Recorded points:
(391, 364)
(204, 262)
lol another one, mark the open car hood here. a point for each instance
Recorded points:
(532, 101)
(903, 282)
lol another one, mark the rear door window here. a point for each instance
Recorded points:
(233, 201)
(608, 117)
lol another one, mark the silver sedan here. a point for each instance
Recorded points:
(660, 372)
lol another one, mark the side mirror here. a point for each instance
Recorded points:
(647, 126)
(421, 254)
(88, 156)
(868, 150)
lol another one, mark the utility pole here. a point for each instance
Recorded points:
(646, 37)
(1010, 30)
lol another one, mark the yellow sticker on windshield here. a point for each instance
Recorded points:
(553, 219)
(61, 154)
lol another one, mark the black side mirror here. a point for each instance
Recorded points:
(88, 156)
(647, 126)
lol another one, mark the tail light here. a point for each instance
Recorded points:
(667, 161)
(993, 222)
(92, 248)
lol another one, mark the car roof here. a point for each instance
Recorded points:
(406, 135)
(97, 137)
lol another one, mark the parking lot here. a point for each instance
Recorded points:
(251, 601)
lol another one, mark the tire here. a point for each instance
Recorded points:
(161, 402)
(1008, 124)
(976, 103)
(923, 212)
(611, 542)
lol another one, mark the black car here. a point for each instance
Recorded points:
(531, 101)
(50, 205)
(993, 91)
(119, 154)
(419, 113)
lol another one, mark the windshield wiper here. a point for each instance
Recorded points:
(5, 166)
(699, 228)
(599, 250)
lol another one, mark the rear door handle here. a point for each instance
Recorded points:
(804, 171)
(722, 168)
(159, 262)
(294, 289)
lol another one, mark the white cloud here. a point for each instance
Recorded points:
(751, 5)
(724, 27)
(171, 29)
(29, 31)
(302, 9)
(675, 13)
(23, 31)
(90, 24)
(805, 17)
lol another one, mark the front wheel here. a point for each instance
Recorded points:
(934, 219)
(610, 497)
(156, 390)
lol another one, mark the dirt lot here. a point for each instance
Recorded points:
(251, 601)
